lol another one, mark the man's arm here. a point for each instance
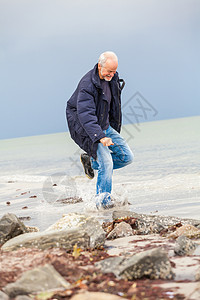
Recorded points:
(86, 110)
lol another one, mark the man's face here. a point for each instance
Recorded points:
(108, 70)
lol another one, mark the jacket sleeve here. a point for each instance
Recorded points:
(86, 111)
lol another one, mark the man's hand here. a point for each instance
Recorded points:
(106, 141)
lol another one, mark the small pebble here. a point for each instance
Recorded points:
(25, 207)
(25, 193)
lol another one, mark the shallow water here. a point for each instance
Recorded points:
(164, 179)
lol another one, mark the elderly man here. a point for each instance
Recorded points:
(94, 121)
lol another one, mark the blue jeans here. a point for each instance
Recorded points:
(108, 158)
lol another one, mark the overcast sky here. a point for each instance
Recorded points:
(46, 46)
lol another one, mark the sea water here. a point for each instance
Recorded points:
(37, 173)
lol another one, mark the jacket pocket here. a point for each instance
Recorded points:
(79, 129)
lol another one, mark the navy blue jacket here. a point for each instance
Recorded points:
(87, 110)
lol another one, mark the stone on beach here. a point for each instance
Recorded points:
(86, 223)
(164, 220)
(148, 224)
(121, 230)
(185, 246)
(110, 265)
(36, 280)
(43, 240)
(72, 229)
(10, 226)
(143, 224)
(152, 263)
(187, 230)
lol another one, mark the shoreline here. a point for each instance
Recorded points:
(127, 236)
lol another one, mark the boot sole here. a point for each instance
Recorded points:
(85, 170)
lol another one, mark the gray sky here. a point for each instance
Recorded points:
(46, 46)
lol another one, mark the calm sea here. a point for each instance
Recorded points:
(38, 172)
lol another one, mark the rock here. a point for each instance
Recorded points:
(187, 230)
(89, 224)
(10, 226)
(143, 224)
(36, 280)
(96, 296)
(121, 230)
(147, 227)
(152, 263)
(3, 296)
(110, 265)
(163, 220)
(43, 240)
(139, 226)
(184, 246)
(95, 231)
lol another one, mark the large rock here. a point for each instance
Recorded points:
(86, 223)
(185, 246)
(42, 240)
(143, 227)
(152, 263)
(96, 296)
(110, 265)
(187, 230)
(10, 226)
(121, 230)
(162, 220)
(143, 224)
(36, 280)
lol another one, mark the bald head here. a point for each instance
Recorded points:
(107, 65)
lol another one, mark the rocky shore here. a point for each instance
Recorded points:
(134, 257)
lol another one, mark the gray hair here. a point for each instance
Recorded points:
(105, 55)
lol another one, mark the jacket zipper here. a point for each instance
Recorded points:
(119, 108)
